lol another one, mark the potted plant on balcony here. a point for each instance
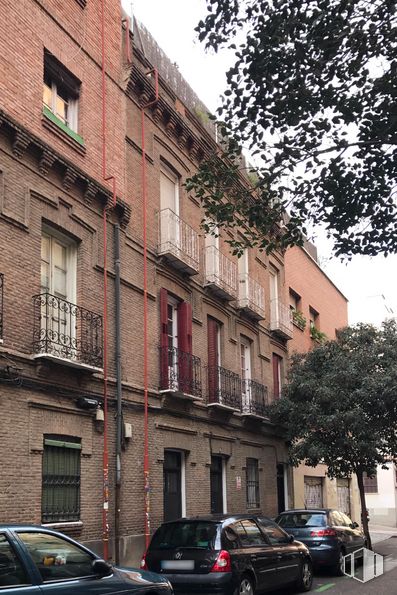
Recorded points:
(298, 319)
(317, 335)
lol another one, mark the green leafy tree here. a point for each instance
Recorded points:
(340, 404)
(312, 96)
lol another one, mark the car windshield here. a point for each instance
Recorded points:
(301, 520)
(197, 534)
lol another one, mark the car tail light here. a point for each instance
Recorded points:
(222, 563)
(143, 562)
(323, 533)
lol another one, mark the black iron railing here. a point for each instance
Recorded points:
(67, 331)
(224, 387)
(180, 372)
(1, 304)
(255, 398)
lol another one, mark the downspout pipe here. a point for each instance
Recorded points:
(119, 412)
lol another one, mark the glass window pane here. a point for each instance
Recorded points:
(47, 96)
(60, 283)
(59, 255)
(56, 558)
(61, 109)
(45, 248)
(12, 572)
(273, 532)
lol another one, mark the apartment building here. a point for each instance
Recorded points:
(98, 134)
(318, 310)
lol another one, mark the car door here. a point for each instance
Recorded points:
(15, 575)
(343, 530)
(255, 552)
(63, 567)
(287, 553)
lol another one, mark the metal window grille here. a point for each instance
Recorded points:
(61, 481)
(252, 473)
(370, 484)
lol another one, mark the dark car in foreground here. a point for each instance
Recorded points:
(228, 554)
(35, 560)
(329, 534)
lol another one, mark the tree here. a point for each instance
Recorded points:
(340, 404)
(313, 98)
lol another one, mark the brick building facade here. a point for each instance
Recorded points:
(217, 327)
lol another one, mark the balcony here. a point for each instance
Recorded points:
(67, 333)
(180, 373)
(254, 399)
(178, 243)
(224, 389)
(251, 297)
(220, 274)
(281, 319)
(1, 306)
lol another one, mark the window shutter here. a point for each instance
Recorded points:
(164, 384)
(213, 382)
(276, 376)
(185, 363)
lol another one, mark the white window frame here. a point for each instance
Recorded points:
(72, 109)
(71, 261)
(172, 177)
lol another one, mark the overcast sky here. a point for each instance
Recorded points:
(370, 284)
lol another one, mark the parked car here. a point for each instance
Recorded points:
(329, 534)
(35, 560)
(228, 554)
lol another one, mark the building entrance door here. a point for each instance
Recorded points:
(313, 492)
(172, 477)
(216, 480)
(280, 488)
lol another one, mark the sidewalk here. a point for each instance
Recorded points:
(381, 532)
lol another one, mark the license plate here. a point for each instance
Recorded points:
(177, 564)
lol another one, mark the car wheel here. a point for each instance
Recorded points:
(245, 586)
(306, 576)
(339, 566)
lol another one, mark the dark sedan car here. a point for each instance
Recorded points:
(35, 560)
(229, 555)
(329, 534)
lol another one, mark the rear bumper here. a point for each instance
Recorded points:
(217, 583)
(325, 554)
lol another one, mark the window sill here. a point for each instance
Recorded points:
(64, 525)
(56, 125)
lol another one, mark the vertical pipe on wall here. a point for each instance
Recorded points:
(119, 412)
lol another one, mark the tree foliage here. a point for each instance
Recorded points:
(313, 98)
(340, 404)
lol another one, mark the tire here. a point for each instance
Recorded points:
(245, 586)
(339, 566)
(305, 579)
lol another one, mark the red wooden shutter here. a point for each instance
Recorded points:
(276, 375)
(212, 332)
(185, 363)
(164, 384)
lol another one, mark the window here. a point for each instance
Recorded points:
(61, 90)
(191, 534)
(313, 491)
(12, 573)
(56, 558)
(314, 318)
(61, 479)
(58, 266)
(245, 363)
(249, 533)
(169, 190)
(371, 483)
(252, 480)
(273, 532)
(294, 300)
(277, 361)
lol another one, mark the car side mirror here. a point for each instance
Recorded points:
(291, 538)
(101, 568)
(354, 525)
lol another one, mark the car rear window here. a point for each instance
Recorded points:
(302, 519)
(200, 534)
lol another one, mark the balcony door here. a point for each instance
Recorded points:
(169, 207)
(245, 360)
(212, 263)
(58, 289)
(214, 360)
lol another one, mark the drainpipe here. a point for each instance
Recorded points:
(145, 316)
(119, 413)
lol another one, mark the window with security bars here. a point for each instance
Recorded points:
(61, 479)
(252, 480)
(370, 483)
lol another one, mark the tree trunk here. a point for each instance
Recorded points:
(364, 517)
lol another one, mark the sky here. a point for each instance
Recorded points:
(370, 284)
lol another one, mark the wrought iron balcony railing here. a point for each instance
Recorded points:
(281, 319)
(178, 242)
(224, 388)
(180, 372)
(1, 305)
(220, 273)
(66, 331)
(251, 297)
(255, 398)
